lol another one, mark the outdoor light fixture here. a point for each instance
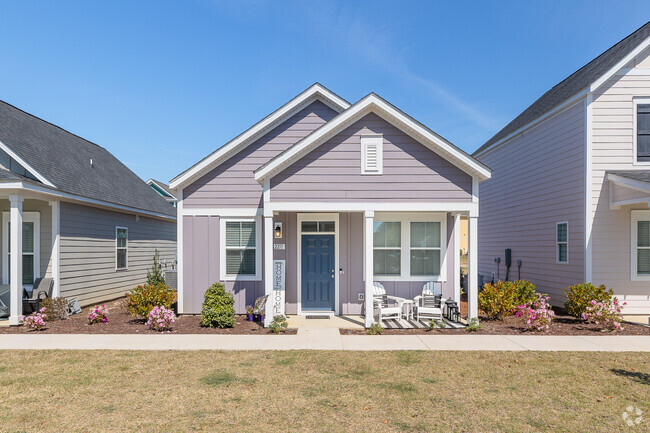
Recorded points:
(278, 230)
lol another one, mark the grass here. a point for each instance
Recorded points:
(321, 391)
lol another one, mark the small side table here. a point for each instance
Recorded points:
(407, 305)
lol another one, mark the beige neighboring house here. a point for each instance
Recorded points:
(73, 212)
(570, 187)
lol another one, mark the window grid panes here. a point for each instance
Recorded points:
(241, 248)
(28, 251)
(643, 248)
(318, 226)
(425, 248)
(121, 247)
(643, 132)
(562, 241)
(387, 243)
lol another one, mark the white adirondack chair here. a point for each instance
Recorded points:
(426, 304)
(381, 305)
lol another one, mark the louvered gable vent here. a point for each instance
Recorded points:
(372, 154)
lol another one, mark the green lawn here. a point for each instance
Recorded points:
(107, 391)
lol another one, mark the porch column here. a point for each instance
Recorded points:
(457, 258)
(472, 271)
(16, 263)
(368, 273)
(268, 266)
(56, 270)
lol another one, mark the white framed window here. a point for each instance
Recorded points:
(562, 242)
(31, 247)
(240, 249)
(640, 243)
(372, 154)
(121, 248)
(641, 132)
(409, 246)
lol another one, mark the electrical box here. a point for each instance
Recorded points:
(508, 257)
(362, 296)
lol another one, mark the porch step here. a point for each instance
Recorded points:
(314, 316)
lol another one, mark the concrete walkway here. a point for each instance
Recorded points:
(325, 339)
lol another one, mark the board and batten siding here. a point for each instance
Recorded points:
(411, 171)
(88, 251)
(233, 184)
(613, 149)
(537, 181)
(45, 211)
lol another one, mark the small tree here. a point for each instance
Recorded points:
(155, 275)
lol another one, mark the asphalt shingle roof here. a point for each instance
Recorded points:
(641, 175)
(64, 159)
(573, 84)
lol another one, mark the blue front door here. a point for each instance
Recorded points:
(318, 282)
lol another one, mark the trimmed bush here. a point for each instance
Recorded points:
(579, 297)
(279, 324)
(218, 310)
(141, 300)
(55, 308)
(501, 299)
(524, 292)
(375, 329)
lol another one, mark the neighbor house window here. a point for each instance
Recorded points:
(408, 246)
(31, 245)
(372, 154)
(640, 244)
(387, 244)
(643, 132)
(562, 242)
(241, 248)
(121, 247)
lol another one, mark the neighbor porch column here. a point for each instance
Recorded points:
(368, 274)
(56, 249)
(456, 256)
(16, 263)
(472, 271)
(268, 266)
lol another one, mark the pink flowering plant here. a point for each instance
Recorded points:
(537, 314)
(99, 314)
(606, 314)
(35, 321)
(161, 319)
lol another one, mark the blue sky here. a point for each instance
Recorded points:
(161, 84)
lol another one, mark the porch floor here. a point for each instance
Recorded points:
(357, 322)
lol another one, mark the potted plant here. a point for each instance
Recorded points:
(249, 312)
(260, 313)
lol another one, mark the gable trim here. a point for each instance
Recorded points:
(25, 165)
(313, 93)
(627, 59)
(151, 181)
(374, 103)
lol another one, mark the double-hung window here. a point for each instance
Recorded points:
(643, 132)
(641, 245)
(562, 242)
(408, 246)
(30, 247)
(240, 249)
(121, 248)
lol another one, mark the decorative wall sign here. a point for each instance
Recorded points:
(277, 297)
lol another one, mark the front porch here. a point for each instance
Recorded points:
(357, 322)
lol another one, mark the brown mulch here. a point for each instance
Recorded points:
(121, 322)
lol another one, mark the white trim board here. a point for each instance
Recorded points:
(151, 181)
(353, 206)
(617, 67)
(375, 104)
(25, 165)
(313, 93)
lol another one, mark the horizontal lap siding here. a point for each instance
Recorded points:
(537, 181)
(332, 171)
(613, 149)
(232, 184)
(88, 251)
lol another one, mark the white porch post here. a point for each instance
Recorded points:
(368, 274)
(457, 258)
(56, 270)
(16, 263)
(268, 266)
(472, 271)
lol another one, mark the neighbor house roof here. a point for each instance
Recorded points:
(635, 175)
(580, 80)
(68, 163)
(162, 186)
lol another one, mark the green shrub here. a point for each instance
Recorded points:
(375, 329)
(435, 324)
(579, 297)
(218, 309)
(279, 324)
(473, 325)
(155, 275)
(141, 300)
(55, 308)
(502, 298)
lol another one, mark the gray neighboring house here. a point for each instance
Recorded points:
(570, 187)
(163, 190)
(87, 221)
(319, 200)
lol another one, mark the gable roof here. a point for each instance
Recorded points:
(62, 161)
(163, 186)
(315, 92)
(586, 78)
(374, 103)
